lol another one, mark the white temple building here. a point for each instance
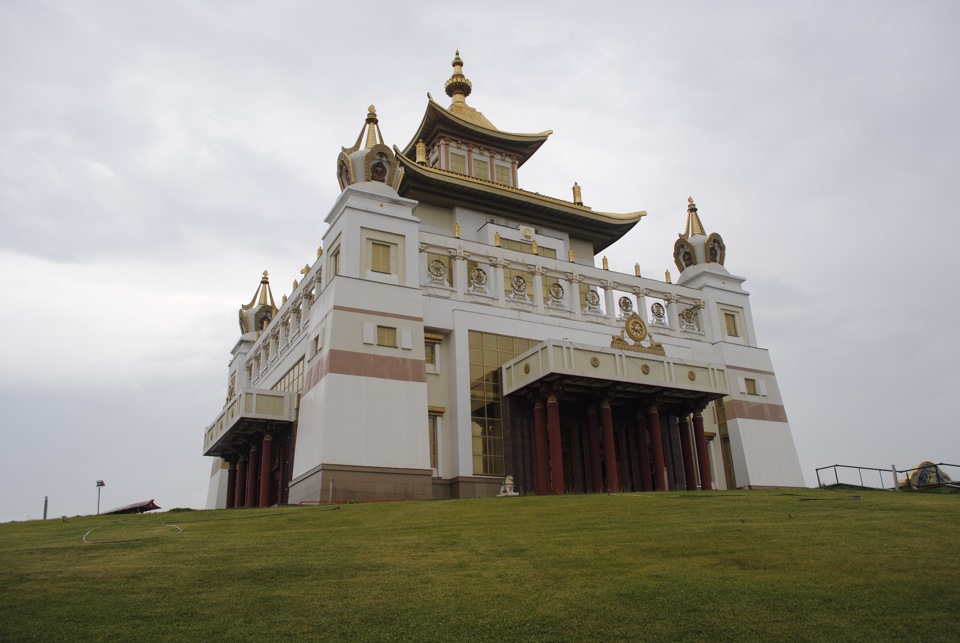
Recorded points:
(454, 329)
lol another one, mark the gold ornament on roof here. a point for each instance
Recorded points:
(694, 226)
(371, 131)
(458, 87)
(577, 194)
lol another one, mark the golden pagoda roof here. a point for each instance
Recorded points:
(434, 185)
(463, 122)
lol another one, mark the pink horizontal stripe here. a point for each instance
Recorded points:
(385, 367)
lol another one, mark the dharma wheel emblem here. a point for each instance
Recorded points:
(659, 313)
(556, 292)
(519, 285)
(438, 269)
(479, 277)
(626, 306)
(593, 299)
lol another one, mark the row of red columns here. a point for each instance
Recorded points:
(243, 481)
(550, 455)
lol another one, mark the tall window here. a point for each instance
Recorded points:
(336, 261)
(726, 453)
(751, 386)
(481, 169)
(730, 319)
(387, 336)
(380, 257)
(488, 352)
(458, 163)
(431, 351)
(432, 428)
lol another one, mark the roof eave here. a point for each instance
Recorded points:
(601, 228)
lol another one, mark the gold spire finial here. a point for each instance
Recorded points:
(458, 87)
(496, 239)
(694, 226)
(666, 274)
(636, 269)
(536, 248)
(456, 230)
(577, 196)
(266, 297)
(319, 251)
(371, 127)
(606, 266)
(421, 152)
(570, 255)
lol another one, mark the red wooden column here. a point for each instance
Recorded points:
(596, 467)
(703, 459)
(653, 423)
(282, 491)
(240, 497)
(231, 483)
(556, 449)
(686, 450)
(266, 470)
(609, 447)
(543, 463)
(644, 449)
(253, 472)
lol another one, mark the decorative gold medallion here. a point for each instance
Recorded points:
(635, 327)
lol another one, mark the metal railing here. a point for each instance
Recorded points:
(929, 475)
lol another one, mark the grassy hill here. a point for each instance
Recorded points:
(807, 564)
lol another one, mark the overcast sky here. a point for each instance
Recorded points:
(156, 157)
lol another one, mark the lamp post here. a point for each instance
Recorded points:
(100, 484)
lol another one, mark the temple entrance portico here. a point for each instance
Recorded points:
(592, 419)
(254, 436)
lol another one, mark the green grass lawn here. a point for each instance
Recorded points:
(800, 565)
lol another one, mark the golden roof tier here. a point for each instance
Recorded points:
(465, 123)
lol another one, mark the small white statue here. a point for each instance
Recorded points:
(506, 489)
